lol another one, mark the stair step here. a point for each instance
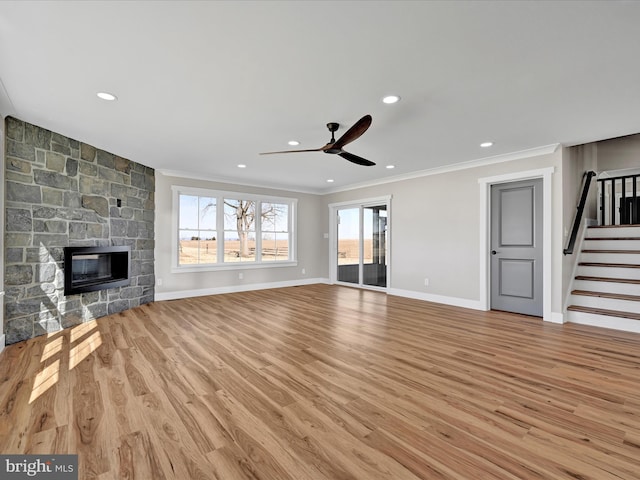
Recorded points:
(600, 270)
(601, 311)
(611, 244)
(612, 238)
(633, 225)
(616, 296)
(612, 299)
(614, 231)
(610, 256)
(624, 288)
(608, 279)
(608, 265)
(630, 252)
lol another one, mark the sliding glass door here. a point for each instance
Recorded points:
(362, 244)
(374, 243)
(349, 253)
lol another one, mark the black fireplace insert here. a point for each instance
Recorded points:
(87, 269)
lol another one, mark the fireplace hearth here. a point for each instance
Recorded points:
(87, 269)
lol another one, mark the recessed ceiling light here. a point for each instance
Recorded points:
(107, 96)
(486, 144)
(391, 166)
(293, 143)
(330, 180)
(242, 165)
(389, 99)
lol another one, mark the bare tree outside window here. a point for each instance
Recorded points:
(239, 217)
(252, 230)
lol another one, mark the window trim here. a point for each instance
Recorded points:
(220, 196)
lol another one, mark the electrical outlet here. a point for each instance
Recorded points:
(304, 271)
(426, 282)
(241, 275)
(159, 282)
(326, 235)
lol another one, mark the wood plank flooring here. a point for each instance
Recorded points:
(326, 383)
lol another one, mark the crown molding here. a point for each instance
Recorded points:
(232, 181)
(507, 157)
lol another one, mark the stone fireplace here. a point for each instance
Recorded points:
(89, 269)
(64, 193)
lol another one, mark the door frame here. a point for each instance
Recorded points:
(485, 234)
(333, 239)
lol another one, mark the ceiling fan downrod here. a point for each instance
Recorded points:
(333, 127)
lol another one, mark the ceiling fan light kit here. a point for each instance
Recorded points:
(334, 146)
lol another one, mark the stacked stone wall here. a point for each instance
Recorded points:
(60, 192)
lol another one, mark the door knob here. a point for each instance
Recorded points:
(493, 252)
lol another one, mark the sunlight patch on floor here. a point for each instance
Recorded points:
(83, 349)
(45, 379)
(52, 348)
(81, 330)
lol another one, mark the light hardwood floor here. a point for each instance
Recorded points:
(325, 382)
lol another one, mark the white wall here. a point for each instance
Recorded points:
(310, 246)
(435, 229)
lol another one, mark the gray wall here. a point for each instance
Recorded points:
(618, 153)
(575, 162)
(435, 228)
(60, 192)
(435, 233)
(311, 245)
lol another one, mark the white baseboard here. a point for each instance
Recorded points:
(2, 341)
(429, 297)
(556, 318)
(236, 288)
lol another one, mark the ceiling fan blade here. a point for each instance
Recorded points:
(356, 159)
(295, 151)
(354, 132)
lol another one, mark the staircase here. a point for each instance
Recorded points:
(607, 283)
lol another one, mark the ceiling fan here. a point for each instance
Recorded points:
(335, 146)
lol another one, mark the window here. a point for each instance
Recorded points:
(239, 230)
(275, 231)
(228, 229)
(197, 230)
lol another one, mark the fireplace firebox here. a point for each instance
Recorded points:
(87, 269)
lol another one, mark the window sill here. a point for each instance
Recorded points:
(231, 266)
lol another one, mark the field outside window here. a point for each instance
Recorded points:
(225, 229)
(197, 232)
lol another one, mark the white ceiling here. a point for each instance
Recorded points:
(204, 86)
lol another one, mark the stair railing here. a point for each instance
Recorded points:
(586, 179)
(628, 205)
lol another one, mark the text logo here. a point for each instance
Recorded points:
(49, 467)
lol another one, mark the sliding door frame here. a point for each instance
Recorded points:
(333, 239)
